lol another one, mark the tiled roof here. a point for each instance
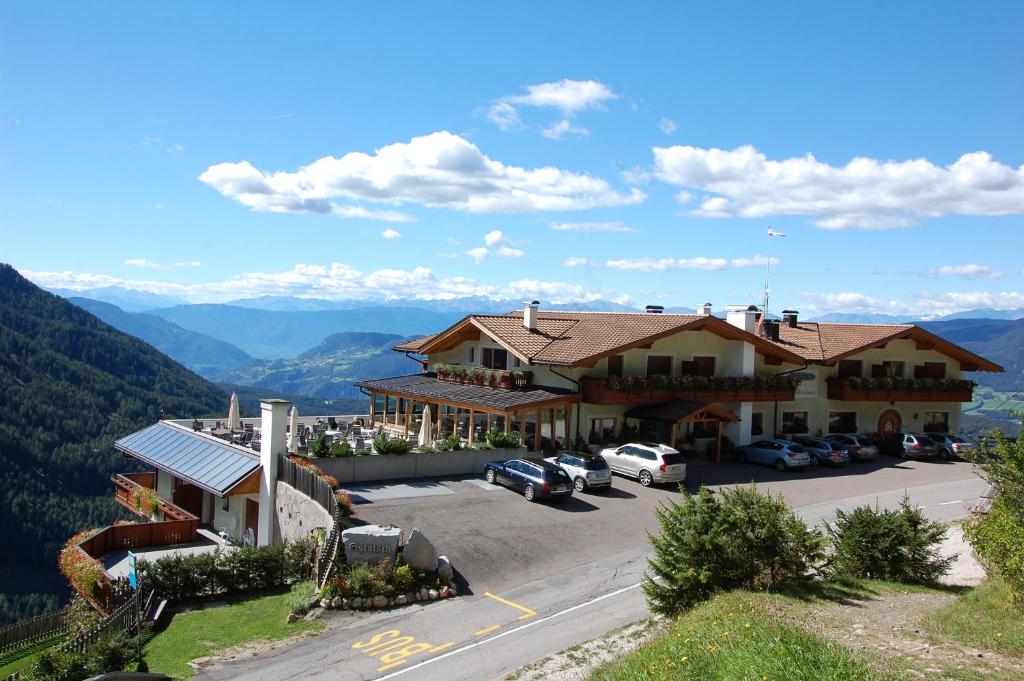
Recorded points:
(430, 387)
(203, 460)
(413, 344)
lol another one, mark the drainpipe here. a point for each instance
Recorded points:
(775, 419)
(579, 389)
(424, 362)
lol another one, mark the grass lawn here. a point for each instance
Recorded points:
(737, 635)
(19, 661)
(199, 633)
(984, 617)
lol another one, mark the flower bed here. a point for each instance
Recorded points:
(84, 573)
(374, 587)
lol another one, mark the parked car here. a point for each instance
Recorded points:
(860, 447)
(908, 446)
(950, 446)
(782, 454)
(824, 451)
(648, 462)
(533, 476)
(588, 471)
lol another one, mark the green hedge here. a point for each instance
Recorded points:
(998, 540)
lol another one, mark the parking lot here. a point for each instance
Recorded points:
(496, 539)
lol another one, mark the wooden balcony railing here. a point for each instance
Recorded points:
(900, 389)
(489, 378)
(656, 389)
(137, 493)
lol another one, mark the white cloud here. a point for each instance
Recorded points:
(495, 244)
(494, 237)
(479, 254)
(149, 264)
(756, 261)
(579, 262)
(592, 227)
(509, 252)
(865, 193)
(923, 305)
(568, 96)
(667, 126)
(665, 264)
(390, 234)
(969, 271)
(440, 170)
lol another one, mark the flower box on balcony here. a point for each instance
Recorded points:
(655, 389)
(489, 378)
(900, 389)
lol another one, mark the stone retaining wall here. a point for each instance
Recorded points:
(297, 515)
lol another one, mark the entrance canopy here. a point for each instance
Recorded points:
(681, 412)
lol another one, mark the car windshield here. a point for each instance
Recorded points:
(797, 449)
(556, 476)
(670, 459)
(595, 463)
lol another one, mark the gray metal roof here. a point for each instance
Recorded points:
(203, 460)
(431, 388)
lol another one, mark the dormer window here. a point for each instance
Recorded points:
(494, 358)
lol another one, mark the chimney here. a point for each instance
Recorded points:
(530, 315)
(704, 309)
(654, 309)
(273, 443)
(742, 316)
(790, 317)
(771, 329)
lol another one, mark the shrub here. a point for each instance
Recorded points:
(382, 444)
(402, 578)
(110, 653)
(450, 443)
(500, 439)
(300, 596)
(897, 545)
(360, 580)
(363, 452)
(344, 503)
(738, 538)
(82, 571)
(998, 541)
(320, 447)
(340, 449)
(426, 450)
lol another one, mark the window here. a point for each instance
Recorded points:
(516, 362)
(494, 358)
(615, 365)
(936, 422)
(891, 369)
(659, 365)
(757, 423)
(794, 422)
(705, 366)
(705, 429)
(842, 422)
(602, 430)
(850, 367)
(934, 370)
(472, 354)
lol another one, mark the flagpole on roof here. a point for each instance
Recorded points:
(768, 270)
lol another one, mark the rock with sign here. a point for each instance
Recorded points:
(371, 544)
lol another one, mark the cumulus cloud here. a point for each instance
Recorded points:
(390, 234)
(592, 227)
(969, 271)
(667, 126)
(665, 264)
(579, 262)
(149, 264)
(756, 261)
(865, 193)
(440, 170)
(568, 96)
(919, 305)
(495, 243)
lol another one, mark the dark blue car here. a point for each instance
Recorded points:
(534, 477)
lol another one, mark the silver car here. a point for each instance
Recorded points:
(950, 446)
(587, 471)
(823, 451)
(648, 462)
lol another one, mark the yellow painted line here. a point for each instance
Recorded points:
(529, 613)
(484, 632)
(440, 648)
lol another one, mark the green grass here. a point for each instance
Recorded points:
(19, 661)
(734, 636)
(984, 617)
(199, 633)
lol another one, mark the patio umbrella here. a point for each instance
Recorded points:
(293, 428)
(234, 418)
(425, 427)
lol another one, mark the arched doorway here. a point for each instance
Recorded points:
(889, 421)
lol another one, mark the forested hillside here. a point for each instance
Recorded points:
(999, 340)
(69, 385)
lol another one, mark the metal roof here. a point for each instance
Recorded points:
(431, 388)
(202, 460)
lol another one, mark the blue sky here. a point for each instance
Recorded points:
(178, 150)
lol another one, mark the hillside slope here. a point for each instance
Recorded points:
(328, 370)
(69, 385)
(999, 340)
(202, 354)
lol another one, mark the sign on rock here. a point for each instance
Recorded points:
(371, 544)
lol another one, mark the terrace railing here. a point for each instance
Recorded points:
(627, 390)
(482, 376)
(129, 486)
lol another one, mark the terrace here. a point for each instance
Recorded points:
(636, 390)
(900, 389)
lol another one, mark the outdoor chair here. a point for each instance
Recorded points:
(332, 424)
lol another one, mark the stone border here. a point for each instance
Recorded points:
(381, 602)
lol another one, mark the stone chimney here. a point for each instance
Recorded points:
(704, 309)
(790, 317)
(273, 442)
(530, 315)
(742, 316)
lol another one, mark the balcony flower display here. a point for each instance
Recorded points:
(490, 378)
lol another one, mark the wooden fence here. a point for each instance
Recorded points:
(125, 617)
(32, 630)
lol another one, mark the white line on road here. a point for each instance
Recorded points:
(510, 631)
(950, 503)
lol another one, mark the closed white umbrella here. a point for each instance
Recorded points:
(425, 427)
(293, 429)
(234, 417)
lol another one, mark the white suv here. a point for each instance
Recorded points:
(648, 462)
(588, 471)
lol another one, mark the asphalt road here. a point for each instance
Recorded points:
(544, 577)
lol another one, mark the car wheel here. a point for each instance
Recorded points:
(646, 479)
(489, 477)
(579, 484)
(945, 454)
(529, 493)
(780, 465)
(815, 461)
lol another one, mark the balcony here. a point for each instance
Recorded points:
(631, 390)
(137, 493)
(489, 378)
(900, 389)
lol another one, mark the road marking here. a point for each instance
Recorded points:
(484, 632)
(503, 634)
(529, 613)
(950, 503)
(392, 648)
